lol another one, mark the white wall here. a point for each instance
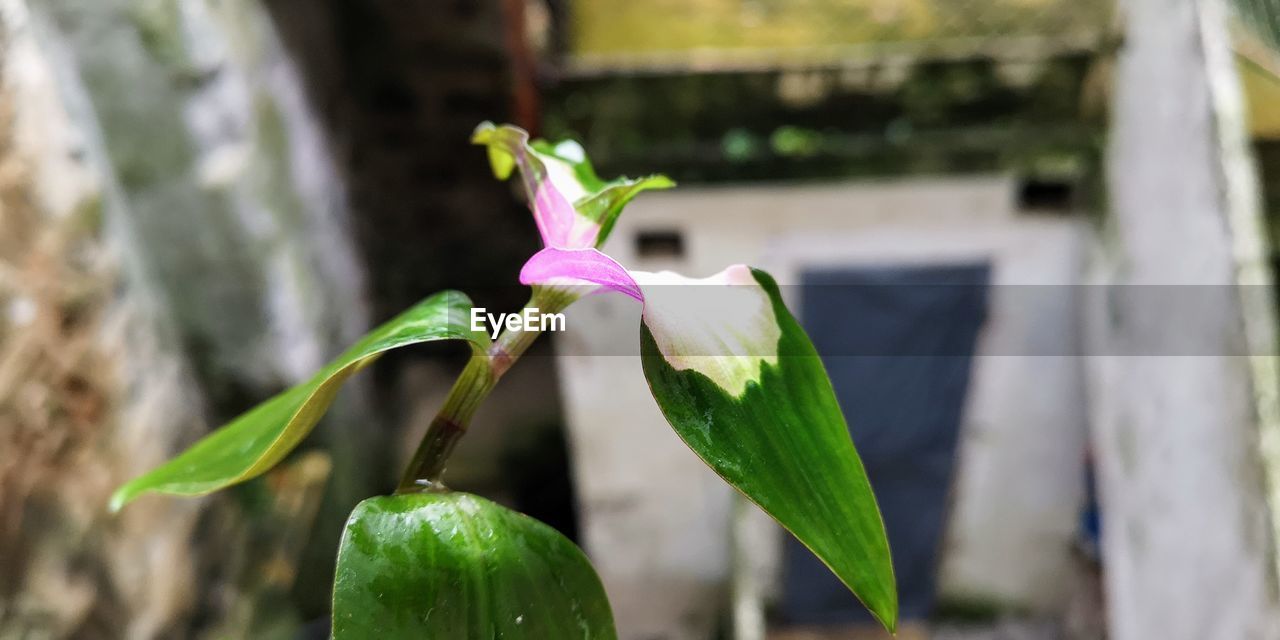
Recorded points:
(656, 520)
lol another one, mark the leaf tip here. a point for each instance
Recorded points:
(885, 610)
(483, 132)
(501, 161)
(890, 624)
(122, 496)
(660, 181)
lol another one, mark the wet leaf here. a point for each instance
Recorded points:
(457, 566)
(767, 420)
(254, 442)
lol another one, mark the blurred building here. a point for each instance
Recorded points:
(930, 183)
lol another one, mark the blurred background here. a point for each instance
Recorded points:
(991, 215)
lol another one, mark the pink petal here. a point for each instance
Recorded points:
(549, 184)
(578, 266)
(558, 222)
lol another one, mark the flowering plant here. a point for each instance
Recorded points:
(730, 368)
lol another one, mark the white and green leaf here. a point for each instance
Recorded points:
(742, 385)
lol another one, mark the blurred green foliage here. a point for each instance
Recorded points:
(967, 116)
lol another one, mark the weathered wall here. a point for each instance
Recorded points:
(67, 567)
(173, 140)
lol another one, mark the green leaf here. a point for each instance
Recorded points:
(566, 166)
(766, 419)
(457, 566)
(254, 442)
(605, 205)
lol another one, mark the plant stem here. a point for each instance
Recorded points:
(473, 385)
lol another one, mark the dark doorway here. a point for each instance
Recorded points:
(898, 343)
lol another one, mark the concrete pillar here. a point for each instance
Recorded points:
(1181, 389)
